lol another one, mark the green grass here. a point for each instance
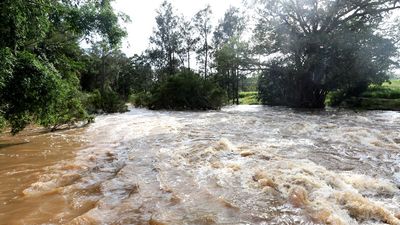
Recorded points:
(387, 91)
(382, 97)
(392, 84)
(248, 98)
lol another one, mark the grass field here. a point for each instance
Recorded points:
(387, 91)
(248, 98)
(384, 97)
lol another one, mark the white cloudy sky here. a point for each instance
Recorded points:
(143, 13)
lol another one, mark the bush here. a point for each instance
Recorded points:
(69, 108)
(29, 90)
(33, 91)
(335, 98)
(183, 91)
(105, 102)
(372, 103)
(140, 99)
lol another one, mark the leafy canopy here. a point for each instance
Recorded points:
(323, 46)
(40, 57)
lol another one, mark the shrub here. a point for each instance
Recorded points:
(106, 101)
(335, 98)
(30, 92)
(140, 99)
(69, 108)
(33, 91)
(183, 91)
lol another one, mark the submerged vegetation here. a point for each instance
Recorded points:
(249, 98)
(376, 97)
(388, 90)
(304, 55)
(183, 91)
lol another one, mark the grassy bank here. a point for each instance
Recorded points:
(377, 97)
(383, 97)
(248, 98)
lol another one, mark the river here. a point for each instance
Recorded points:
(240, 165)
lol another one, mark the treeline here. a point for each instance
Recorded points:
(190, 65)
(301, 51)
(197, 65)
(47, 78)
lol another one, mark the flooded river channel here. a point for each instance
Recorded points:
(241, 165)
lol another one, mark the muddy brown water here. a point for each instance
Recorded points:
(241, 165)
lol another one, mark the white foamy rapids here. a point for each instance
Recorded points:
(396, 177)
(243, 165)
(325, 196)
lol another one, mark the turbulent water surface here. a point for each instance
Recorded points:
(242, 165)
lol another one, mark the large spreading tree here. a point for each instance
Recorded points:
(322, 46)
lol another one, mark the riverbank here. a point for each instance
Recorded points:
(384, 97)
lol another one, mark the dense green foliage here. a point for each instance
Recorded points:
(324, 46)
(112, 78)
(362, 103)
(183, 91)
(41, 58)
(106, 101)
(32, 80)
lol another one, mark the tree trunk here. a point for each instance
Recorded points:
(188, 55)
(237, 87)
(169, 62)
(312, 96)
(103, 73)
(206, 57)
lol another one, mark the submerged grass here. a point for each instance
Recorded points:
(374, 103)
(249, 98)
(389, 90)
(377, 97)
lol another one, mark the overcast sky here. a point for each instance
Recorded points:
(143, 13)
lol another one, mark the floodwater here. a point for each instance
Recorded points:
(241, 165)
